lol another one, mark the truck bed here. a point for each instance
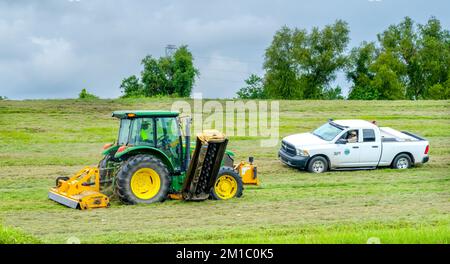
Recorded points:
(394, 142)
(391, 135)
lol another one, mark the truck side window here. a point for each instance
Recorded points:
(350, 136)
(368, 135)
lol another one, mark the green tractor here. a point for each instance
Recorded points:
(151, 161)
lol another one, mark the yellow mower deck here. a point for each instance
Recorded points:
(81, 191)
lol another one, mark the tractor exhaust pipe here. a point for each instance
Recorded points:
(187, 158)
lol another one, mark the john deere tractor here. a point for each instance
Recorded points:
(152, 161)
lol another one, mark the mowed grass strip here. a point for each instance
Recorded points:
(43, 139)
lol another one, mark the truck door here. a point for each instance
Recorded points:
(370, 148)
(348, 154)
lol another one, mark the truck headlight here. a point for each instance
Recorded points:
(301, 152)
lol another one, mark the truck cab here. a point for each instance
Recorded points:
(353, 144)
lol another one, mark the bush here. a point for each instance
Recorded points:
(333, 94)
(254, 88)
(85, 95)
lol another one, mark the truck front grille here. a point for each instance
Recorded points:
(288, 148)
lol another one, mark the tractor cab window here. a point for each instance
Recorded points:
(168, 137)
(147, 132)
(124, 131)
(142, 132)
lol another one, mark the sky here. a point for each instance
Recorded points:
(55, 48)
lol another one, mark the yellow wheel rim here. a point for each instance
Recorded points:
(225, 187)
(145, 183)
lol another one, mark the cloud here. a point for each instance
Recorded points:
(55, 59)
(54, 48)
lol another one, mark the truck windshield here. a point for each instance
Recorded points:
(327, 132)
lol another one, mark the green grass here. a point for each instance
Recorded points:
(44, 139)
(13, 236)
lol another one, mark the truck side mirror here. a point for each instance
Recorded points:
(341, 141)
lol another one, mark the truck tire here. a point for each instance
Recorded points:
(227, 185)
(318, 164)
(402, 161)
(142, 179)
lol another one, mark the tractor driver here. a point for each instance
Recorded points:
(146, 132)
(352, 137)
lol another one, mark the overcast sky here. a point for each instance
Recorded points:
(53, 49)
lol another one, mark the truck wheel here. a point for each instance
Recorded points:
(318, 164)
(402, 161)
(228, 184)
(142, 179)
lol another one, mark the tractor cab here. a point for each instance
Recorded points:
(151, 131)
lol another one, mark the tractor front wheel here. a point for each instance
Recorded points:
(142, 179)
(227, 185)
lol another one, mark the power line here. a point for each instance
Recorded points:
(221, 80)
(224, 70)
(228, 59)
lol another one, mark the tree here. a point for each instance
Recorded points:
(170, 75)
(387, 80)
(131, 87)
(85, 95)
(439, 91)
(183, 71)
(155, 76)
(424, 51)
(281, 80)
(357, 71)
(254, 88)
(434, 59)
(319, 56)
(301, 65)
(332, 93)
(412, 62)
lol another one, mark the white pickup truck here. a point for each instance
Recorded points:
(353, 144)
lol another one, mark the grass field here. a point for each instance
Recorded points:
(43, 139)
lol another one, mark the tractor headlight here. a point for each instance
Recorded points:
(303, 153)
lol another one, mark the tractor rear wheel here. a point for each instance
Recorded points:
(143, 179)
(228, 184)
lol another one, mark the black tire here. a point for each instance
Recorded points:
(402, 161)
(126, 172)
(232, 173)
(318, 164)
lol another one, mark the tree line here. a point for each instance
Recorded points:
(408, 61)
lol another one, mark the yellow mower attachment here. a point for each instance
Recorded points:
(81, 191)
(248, 172)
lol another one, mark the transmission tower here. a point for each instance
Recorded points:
(170, 49)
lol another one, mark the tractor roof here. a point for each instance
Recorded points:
(143, 113)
